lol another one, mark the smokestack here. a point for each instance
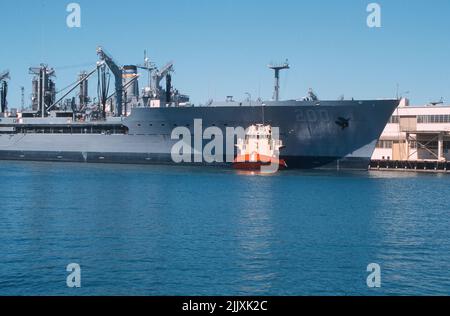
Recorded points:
(129, 74)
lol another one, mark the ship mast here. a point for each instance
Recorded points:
(277, 68)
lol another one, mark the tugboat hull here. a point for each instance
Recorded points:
(247, 162)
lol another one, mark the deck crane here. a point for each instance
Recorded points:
(85, 76)
(118, 76)
(4, 76)
(44, 91)
(154, 89)
(158, 76)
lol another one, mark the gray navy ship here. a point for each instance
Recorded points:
(133, 126)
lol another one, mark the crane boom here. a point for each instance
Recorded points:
(4, 75)
(166, 69)
(118, 75)
(159, 75)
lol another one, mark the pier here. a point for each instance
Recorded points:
(430, 166)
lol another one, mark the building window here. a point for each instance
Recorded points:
(384, 144)
(433, 119)
(393, 119)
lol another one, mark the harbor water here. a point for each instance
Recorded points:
(160, 230)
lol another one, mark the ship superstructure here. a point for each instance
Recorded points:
(129, 125)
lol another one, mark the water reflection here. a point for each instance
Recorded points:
(255, 236)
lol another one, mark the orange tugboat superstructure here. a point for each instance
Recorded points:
(258, 149)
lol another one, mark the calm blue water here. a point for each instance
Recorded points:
(182, 231)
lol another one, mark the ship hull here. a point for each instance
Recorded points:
(320, 163)
(313, 134)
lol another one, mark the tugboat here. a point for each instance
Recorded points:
(258, 149)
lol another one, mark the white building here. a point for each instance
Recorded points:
(416, 133)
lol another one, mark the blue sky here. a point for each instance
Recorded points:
(222, 47)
